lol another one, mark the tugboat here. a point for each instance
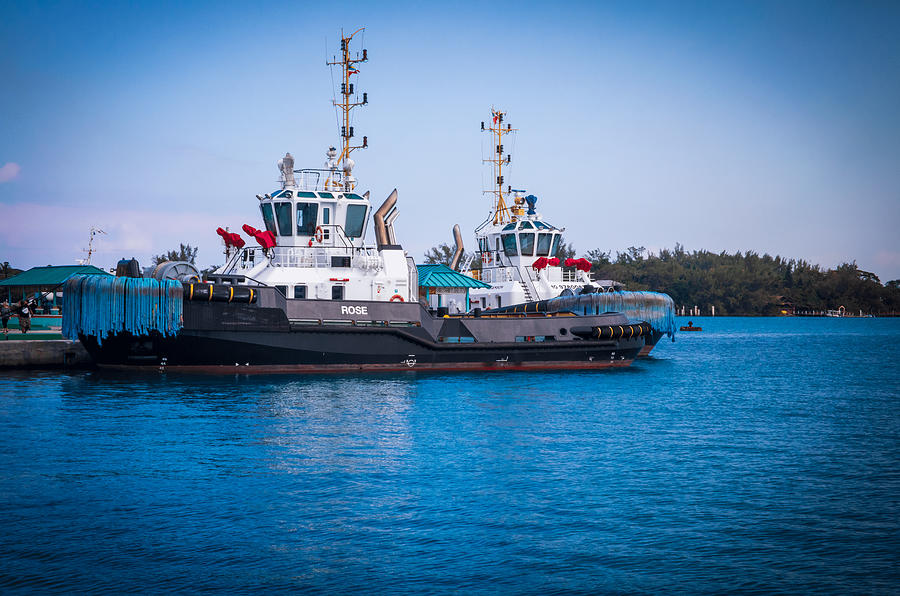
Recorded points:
(517, 255)
(313, 297)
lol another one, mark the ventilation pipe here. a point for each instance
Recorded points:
(457, 237)
(381, 230)
(389, 224)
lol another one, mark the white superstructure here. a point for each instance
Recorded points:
(312, 244)
(517, 248)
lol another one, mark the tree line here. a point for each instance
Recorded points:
(743, 283)
(747, 283)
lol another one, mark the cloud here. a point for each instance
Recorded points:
(9, 171)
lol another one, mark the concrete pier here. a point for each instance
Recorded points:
(51, 353)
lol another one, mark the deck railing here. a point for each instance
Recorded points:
(303, 256)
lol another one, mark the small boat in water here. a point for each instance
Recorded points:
(314, 297)
(690, 327)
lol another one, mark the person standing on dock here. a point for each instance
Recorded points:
(5, 312)
(25, 316)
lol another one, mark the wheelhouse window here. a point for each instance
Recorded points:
(555, 248)
(352, 196)
(356, 221)
(509, 245)
(268, 216)
(326, 195)
(283, 217)
(306, 218)
(483, 244)
(543, 244)
(526, 244)
(300, 292)
(305, 194)
(526, 225)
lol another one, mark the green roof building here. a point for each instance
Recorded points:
(439, 285)
(43, 279)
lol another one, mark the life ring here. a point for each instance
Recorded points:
(320, 234)
(397, 297)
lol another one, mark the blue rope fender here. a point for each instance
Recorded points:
(100, 306)
(656, 308)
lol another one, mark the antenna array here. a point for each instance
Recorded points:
(498, 130)
(348, 64)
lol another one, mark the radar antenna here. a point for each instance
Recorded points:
(348, 64)
(90, 249)
(497, 129)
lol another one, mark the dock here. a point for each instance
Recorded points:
(42, 353)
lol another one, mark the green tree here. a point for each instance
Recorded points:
(746, 283)
(443, 253)
(565, 251)
(7, 271)
(185, 252)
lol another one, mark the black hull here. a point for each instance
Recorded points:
(651, 341)
(322, 350)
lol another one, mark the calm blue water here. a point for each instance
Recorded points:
(760, 454)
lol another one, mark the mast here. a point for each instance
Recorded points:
(497, 161)
(90, 249)
(348, 64)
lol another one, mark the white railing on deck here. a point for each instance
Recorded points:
(302, 256)
(321, 180)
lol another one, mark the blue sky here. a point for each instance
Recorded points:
(766, 126)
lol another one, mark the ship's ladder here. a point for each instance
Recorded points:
(467, 262)
(528, 297)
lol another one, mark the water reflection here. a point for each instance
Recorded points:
(760, 455)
